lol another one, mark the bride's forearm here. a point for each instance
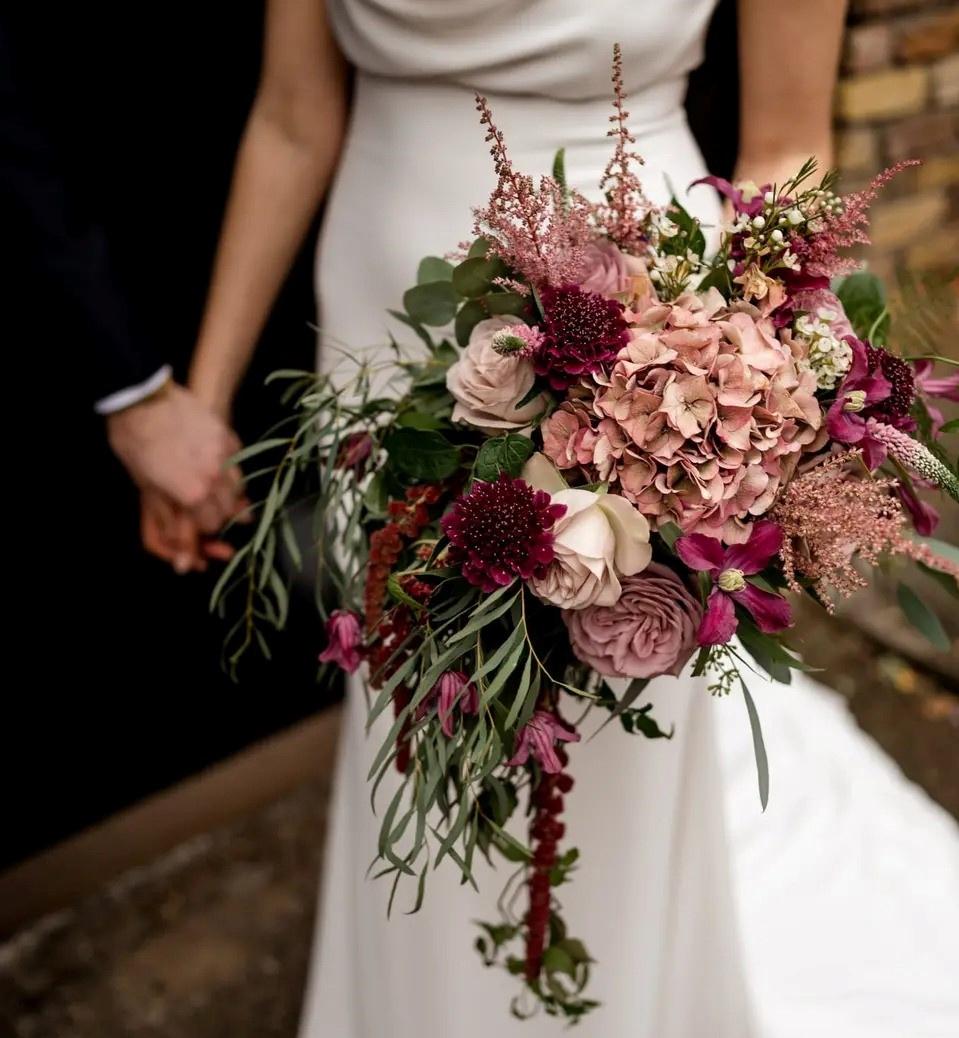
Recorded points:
(789, 59)
(286, 159)
(277, 187)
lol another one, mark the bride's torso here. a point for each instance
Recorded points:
(415, 160)
(546, 48)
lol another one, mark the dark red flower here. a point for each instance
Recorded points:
(500, 531)
(582, 331)
(895, 408)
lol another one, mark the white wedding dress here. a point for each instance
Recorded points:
(654, 898)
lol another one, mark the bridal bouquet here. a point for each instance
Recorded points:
(616, 455)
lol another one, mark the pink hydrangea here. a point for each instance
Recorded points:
(703, 417)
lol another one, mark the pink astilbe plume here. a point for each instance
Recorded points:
(623, 215)
(830, 516)
(819, 254)
(541, 233)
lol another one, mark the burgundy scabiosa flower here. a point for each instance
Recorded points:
(539, 737)
(728, 569)
(343, 635)
(500, 531)
(582, 331)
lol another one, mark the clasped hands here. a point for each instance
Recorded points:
(177, 450)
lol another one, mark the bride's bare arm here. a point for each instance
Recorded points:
(288, 153)
(788, 60)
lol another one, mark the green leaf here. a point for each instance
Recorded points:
(670, 534)
(474, 277)
(397, 592)
(422, 454)
(432, 268)
(432, 304)
(557, 960)
(559, 168)
(575, 949)
(499, 303)
(922, 617)
(950, 427)
(410, 323)
(864, 300)
(479, 248)
(759, 747)
(467, 318)
(690, 233)
(376, 496)
(418, 420)
(502, 454)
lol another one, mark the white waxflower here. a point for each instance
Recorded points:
(828, 356)
(794, 216)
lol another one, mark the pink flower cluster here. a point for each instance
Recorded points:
(702, 419)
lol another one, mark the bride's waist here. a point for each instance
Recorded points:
(419, 118)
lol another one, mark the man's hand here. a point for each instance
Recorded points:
(172, 535)
(172, 445)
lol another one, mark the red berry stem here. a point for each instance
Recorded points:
(546, 831)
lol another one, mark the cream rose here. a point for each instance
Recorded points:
(487, 386)
(601, 538)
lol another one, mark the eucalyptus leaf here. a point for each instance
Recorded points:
(433, 304)
(467, 318)
(432, 268)
(922, 618)
(759, 746)
(474, 277)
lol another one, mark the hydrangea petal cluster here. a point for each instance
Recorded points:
(702, 419)
(500, 531)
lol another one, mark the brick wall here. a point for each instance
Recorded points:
(899, 98)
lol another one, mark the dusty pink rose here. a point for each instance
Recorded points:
(606, 271)
(487, 386)
(650, 631)
(702, 419)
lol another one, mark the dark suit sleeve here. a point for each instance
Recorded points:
(61, 247)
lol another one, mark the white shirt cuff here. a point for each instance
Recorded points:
(124, 398)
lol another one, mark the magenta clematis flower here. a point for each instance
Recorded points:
(539, 737)
(925, 518)
(453, 689)
(750, 206)
(862, 388)
(343, 634)
(946, 388)
(728, 568)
